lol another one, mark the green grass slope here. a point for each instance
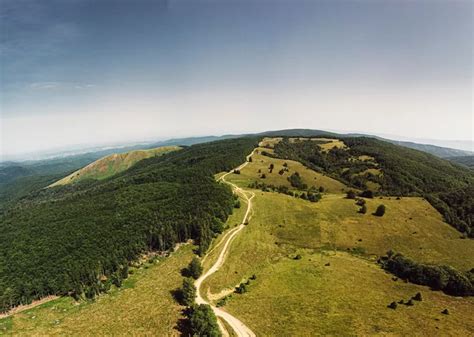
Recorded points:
(337, 288)
(112, 164)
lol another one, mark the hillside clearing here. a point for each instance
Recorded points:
(261, 165)
(144, 305)
(113, 164)
(300, 292)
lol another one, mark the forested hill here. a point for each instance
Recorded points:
(64, 240)
(463, 160)
(393, 170)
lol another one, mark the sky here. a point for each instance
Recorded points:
(80, 72)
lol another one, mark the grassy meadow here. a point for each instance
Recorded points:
(260, 165)
(336, 287)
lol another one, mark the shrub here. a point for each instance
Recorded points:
(263, 176)
(236, 171)
(281, 172)
(296, 181)
(363, 209)
(314, 197)
(409, 303)
(203, 321)
(195, 268)
(241, 288)
(297, 257)
(188, 292)
(393, 305)
(417, 297)
(360, 202)
(350, 194)
(321, 189)
(380, 211)
(367, 194)
(445, 312)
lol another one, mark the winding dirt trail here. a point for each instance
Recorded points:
(239, 328)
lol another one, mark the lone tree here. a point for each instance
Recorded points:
(380, 211)
(203, 321)
(195, 268)
(188, 291)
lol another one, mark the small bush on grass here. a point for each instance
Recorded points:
(417, 297)
(393, 305)
(350, 195)
(380, 211)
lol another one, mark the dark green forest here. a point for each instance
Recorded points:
(445, 278)
(448, 187)
(63, 240)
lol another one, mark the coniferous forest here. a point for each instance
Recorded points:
(64, 240)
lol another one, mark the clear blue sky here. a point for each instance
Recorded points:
(84, 72)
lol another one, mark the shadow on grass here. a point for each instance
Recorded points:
(185, 272)
(178, 295)
(184, 325)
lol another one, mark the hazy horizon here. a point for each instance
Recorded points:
(85, 72)
(73, 149)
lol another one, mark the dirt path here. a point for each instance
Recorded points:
(239, 328)
(24, 307)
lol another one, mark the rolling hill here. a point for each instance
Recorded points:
(112, 164)
(305, 246)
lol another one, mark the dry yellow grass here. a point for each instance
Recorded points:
(366, 158)
(270, 142)
(331, 143)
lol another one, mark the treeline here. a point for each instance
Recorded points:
(79, 239)
(444, 278)
(405, 172)
(312, 194)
